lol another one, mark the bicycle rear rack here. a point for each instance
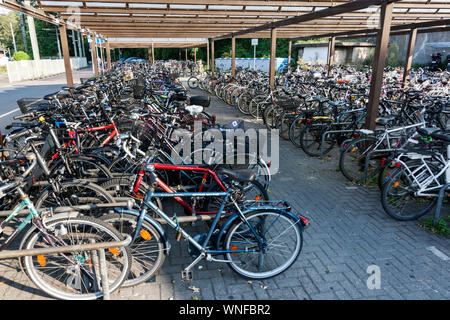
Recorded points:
(282, 204)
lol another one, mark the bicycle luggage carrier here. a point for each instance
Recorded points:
(255, 204)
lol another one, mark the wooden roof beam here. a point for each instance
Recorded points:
(331, 11)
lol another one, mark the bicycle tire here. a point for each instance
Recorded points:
(144, 263)
(242, 232)
(117, 270)
(419, 205)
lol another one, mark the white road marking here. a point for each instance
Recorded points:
(5, 114)
(439, 253)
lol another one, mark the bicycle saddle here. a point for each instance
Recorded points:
(243, 175)
(427, 131)
(383, 121)
(194, 110)
(441, 136)
(56, 95)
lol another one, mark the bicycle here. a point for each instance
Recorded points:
(244, 236)
(73, 275)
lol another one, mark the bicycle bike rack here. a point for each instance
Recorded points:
(72, 208)
(182, 219)
(98, 253)
(439, 203)
(366, 163)
(333, 131)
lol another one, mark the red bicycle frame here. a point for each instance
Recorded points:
(168, 189)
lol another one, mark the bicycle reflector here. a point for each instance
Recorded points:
(145, 235)
(114, 251)
(41, 260)
(305, 221)
(233, 248)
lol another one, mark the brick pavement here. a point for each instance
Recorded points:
(349, 231)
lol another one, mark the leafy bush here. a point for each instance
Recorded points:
(440, 228)
(391, 56)
(3, 69)
(20, 55)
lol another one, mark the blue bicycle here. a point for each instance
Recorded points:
(258, 239)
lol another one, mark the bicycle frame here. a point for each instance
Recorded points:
(175, 225)
(33, 215)
(168, 190)
(424, 189)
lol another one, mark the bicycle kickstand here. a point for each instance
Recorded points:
(186, 274)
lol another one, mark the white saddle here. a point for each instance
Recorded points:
(194, 109)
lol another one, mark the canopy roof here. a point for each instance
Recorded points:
(219, 19)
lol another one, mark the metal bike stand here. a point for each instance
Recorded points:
(329, 132)
(99, 247)
(72, 208)
(104, 274)
(439, 203)
(366, 163)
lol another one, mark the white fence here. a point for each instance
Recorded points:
(37, 69)
(261, 64)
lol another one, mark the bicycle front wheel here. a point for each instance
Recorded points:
(267, 248)
(398, 194)
(193, 82)
(75, 275)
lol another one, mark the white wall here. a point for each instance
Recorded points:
(261, 64)
(315, 55)
(37, 69)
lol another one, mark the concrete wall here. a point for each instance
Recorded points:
(315, 55)
(342, 55)
(261, 64)
(37, 69)
(422, 52)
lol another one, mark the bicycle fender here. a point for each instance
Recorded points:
(153, 222)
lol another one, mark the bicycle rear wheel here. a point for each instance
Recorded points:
(311, 140)
(352, 160)
(73, 275)
(273, 249)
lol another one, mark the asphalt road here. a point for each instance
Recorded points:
(10, 93)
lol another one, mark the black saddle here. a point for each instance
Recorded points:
(57, 95)
(243, 175)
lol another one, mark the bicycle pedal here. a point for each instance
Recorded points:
(186, 275)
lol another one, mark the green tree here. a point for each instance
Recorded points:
(5, 31)
(20, 55)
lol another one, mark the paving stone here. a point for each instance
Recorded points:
(349, 231)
